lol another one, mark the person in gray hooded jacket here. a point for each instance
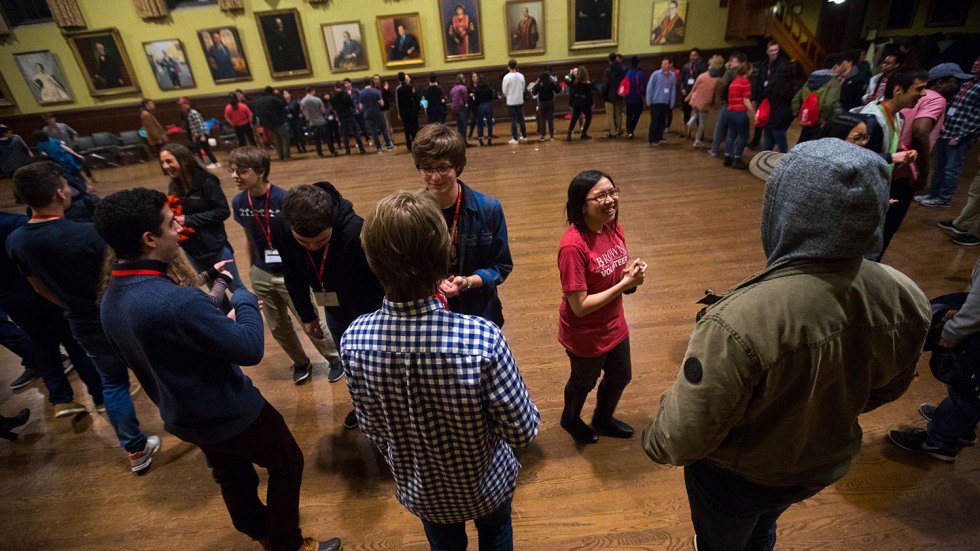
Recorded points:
(763, 413)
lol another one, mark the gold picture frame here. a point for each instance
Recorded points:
(593, 24)
(102, 57)
(284, 43)
(345, 55)
(525, 37)
(6, 100)
(462, 29)
(226, 61)
(396, 51)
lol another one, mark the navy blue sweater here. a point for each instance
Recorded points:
(186, 353)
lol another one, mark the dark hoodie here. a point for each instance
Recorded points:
(345, 271)
(826, 200)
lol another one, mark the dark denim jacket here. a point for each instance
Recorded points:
(484, 251)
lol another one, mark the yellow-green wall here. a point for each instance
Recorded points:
(706, 29)
(877, 17)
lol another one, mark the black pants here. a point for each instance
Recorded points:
(901, 192)
(296, 135)
(350, 127)
(411, 129)
(244, 134)
(616, 365)
(202, 148)
(686, 109)
(268, 444)
(546, 117)
(319, 136)
(633, 112)
(576, 112)
(658, 122)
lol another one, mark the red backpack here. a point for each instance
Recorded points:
(762, 114)
(624, 87)
(810, 111)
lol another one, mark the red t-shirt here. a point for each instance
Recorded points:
(238, 117)
(592, 262)
(738, 90)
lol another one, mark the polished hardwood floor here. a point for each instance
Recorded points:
(66, 484)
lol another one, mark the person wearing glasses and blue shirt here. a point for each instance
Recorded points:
(480, 253)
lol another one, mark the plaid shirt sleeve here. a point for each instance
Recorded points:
(964, 121)
(196, 122)
(509, 405)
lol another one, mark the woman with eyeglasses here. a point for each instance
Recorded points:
(199, 205)
(479, 259)
(854, 129)
(596, 272)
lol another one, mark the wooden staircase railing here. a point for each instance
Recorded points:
(794, 37)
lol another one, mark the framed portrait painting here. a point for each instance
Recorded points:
(6, 100)
(401, 39)
(593, 24)
(668, 23)
(284, 42)
(223, 50)
(44, 76)
(345, 46)
(462, 29)
(948, 13)
(168, 61)
(525, 27)
(102, 57)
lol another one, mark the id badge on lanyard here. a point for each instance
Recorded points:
(272, 256)
(326, 299)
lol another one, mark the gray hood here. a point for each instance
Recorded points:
(826, 200)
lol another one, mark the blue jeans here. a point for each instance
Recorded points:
(732, 514)
(949, 165)
(226, 253)
(737, 126)
(115, 381)
(376, 126)
(495, 532)
(719, 134)
(484, 115)
(774, 137)
(955, 416)
(17, 341)
(516, 114)
(462, 116)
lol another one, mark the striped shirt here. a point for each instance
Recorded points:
(440, 395)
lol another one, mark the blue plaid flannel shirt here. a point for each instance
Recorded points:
(440, 395)
(964, 122)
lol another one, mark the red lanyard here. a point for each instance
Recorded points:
(459, 201)
(323, 263)
(963, 92)
(155, 273)
(267, 230)
(46, 216)
(442, 299)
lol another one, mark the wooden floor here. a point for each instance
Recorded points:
(66, 484)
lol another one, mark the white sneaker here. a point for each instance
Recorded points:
(523, 139)
(921, 198)
(212, 166)
(141, 460)
(513, 141)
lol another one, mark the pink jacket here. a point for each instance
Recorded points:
(702, 96)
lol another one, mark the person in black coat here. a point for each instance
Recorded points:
(407, 103)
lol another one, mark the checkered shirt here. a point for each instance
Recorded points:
(196, 123)
(440, 395)
(964, 120)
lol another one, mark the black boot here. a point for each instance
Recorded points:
(603, 420)
(7, 424)
(571, 418)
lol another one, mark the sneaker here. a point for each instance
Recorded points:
(68, 408)
(336, 372)
(26, 378)
(656, 144)
(921, 198)
(100, 407)
(542, 138)
(949, 226)
(934, 202)
(629, 136)
(739, 164)
(585, 136)
(66, 364)
(302, 372)
(966, 240)
(350, 422)
(966, 439)
(522, 139)
(141, 460)
(212, 166)
(8, 424)
(512, 141)
(729, 160)
(697, 144)
(712, 153)
(917, 440)
(310, 544)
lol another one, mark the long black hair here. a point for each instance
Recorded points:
(578, 190)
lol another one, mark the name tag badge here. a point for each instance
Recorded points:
(326, 299)
(272, 256)
(690, 81)
(951, 112)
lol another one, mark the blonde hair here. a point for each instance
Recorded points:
(406, 243)
(716, 62)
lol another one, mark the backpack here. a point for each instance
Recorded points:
(810, 110)
(762, 114)
(624, 87)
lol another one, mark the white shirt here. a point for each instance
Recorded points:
(514, 88)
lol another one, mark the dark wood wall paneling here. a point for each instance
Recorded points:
(118, 118)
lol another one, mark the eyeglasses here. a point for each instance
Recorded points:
(859, 138)
(442, 169)
(239, 170)
(601, 197)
